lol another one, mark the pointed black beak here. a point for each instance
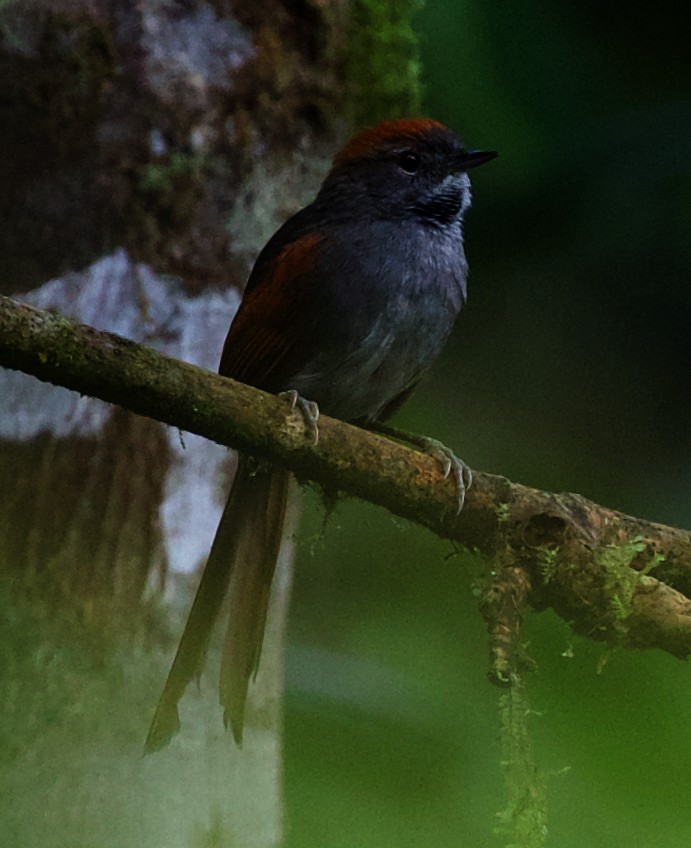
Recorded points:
(467, 159)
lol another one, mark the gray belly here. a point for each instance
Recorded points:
(391, 353)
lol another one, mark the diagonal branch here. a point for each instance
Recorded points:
(613, 577)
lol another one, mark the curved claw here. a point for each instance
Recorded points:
(308, 409)
(451, 465)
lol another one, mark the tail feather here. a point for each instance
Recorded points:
(243, 554)
(249, 593)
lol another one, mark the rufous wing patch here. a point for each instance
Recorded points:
(267, 330)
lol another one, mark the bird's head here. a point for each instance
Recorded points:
(402, 169)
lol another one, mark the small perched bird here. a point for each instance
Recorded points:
(347, 306)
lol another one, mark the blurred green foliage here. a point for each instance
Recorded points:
(570, 370)
(383, 64)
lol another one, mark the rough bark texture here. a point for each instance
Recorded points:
(146, 138)
(611, 576)
(141, 139)
(131, 124)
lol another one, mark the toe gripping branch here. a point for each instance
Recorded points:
(452, 466)
(505, 597)
(309, 411)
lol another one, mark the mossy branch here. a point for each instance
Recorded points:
(613, 577)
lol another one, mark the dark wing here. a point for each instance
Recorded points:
(276, 327)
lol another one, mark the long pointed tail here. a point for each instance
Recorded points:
(243, 554)
(259, 540)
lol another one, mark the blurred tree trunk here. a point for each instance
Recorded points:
(147, 150)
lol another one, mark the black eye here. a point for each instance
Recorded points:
(409, 161)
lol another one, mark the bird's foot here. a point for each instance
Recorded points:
(308, 409)
(451, 465)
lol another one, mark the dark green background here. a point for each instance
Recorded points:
(569, 370)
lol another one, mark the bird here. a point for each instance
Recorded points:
(347, 306)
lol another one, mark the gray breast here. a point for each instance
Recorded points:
(401, 304)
